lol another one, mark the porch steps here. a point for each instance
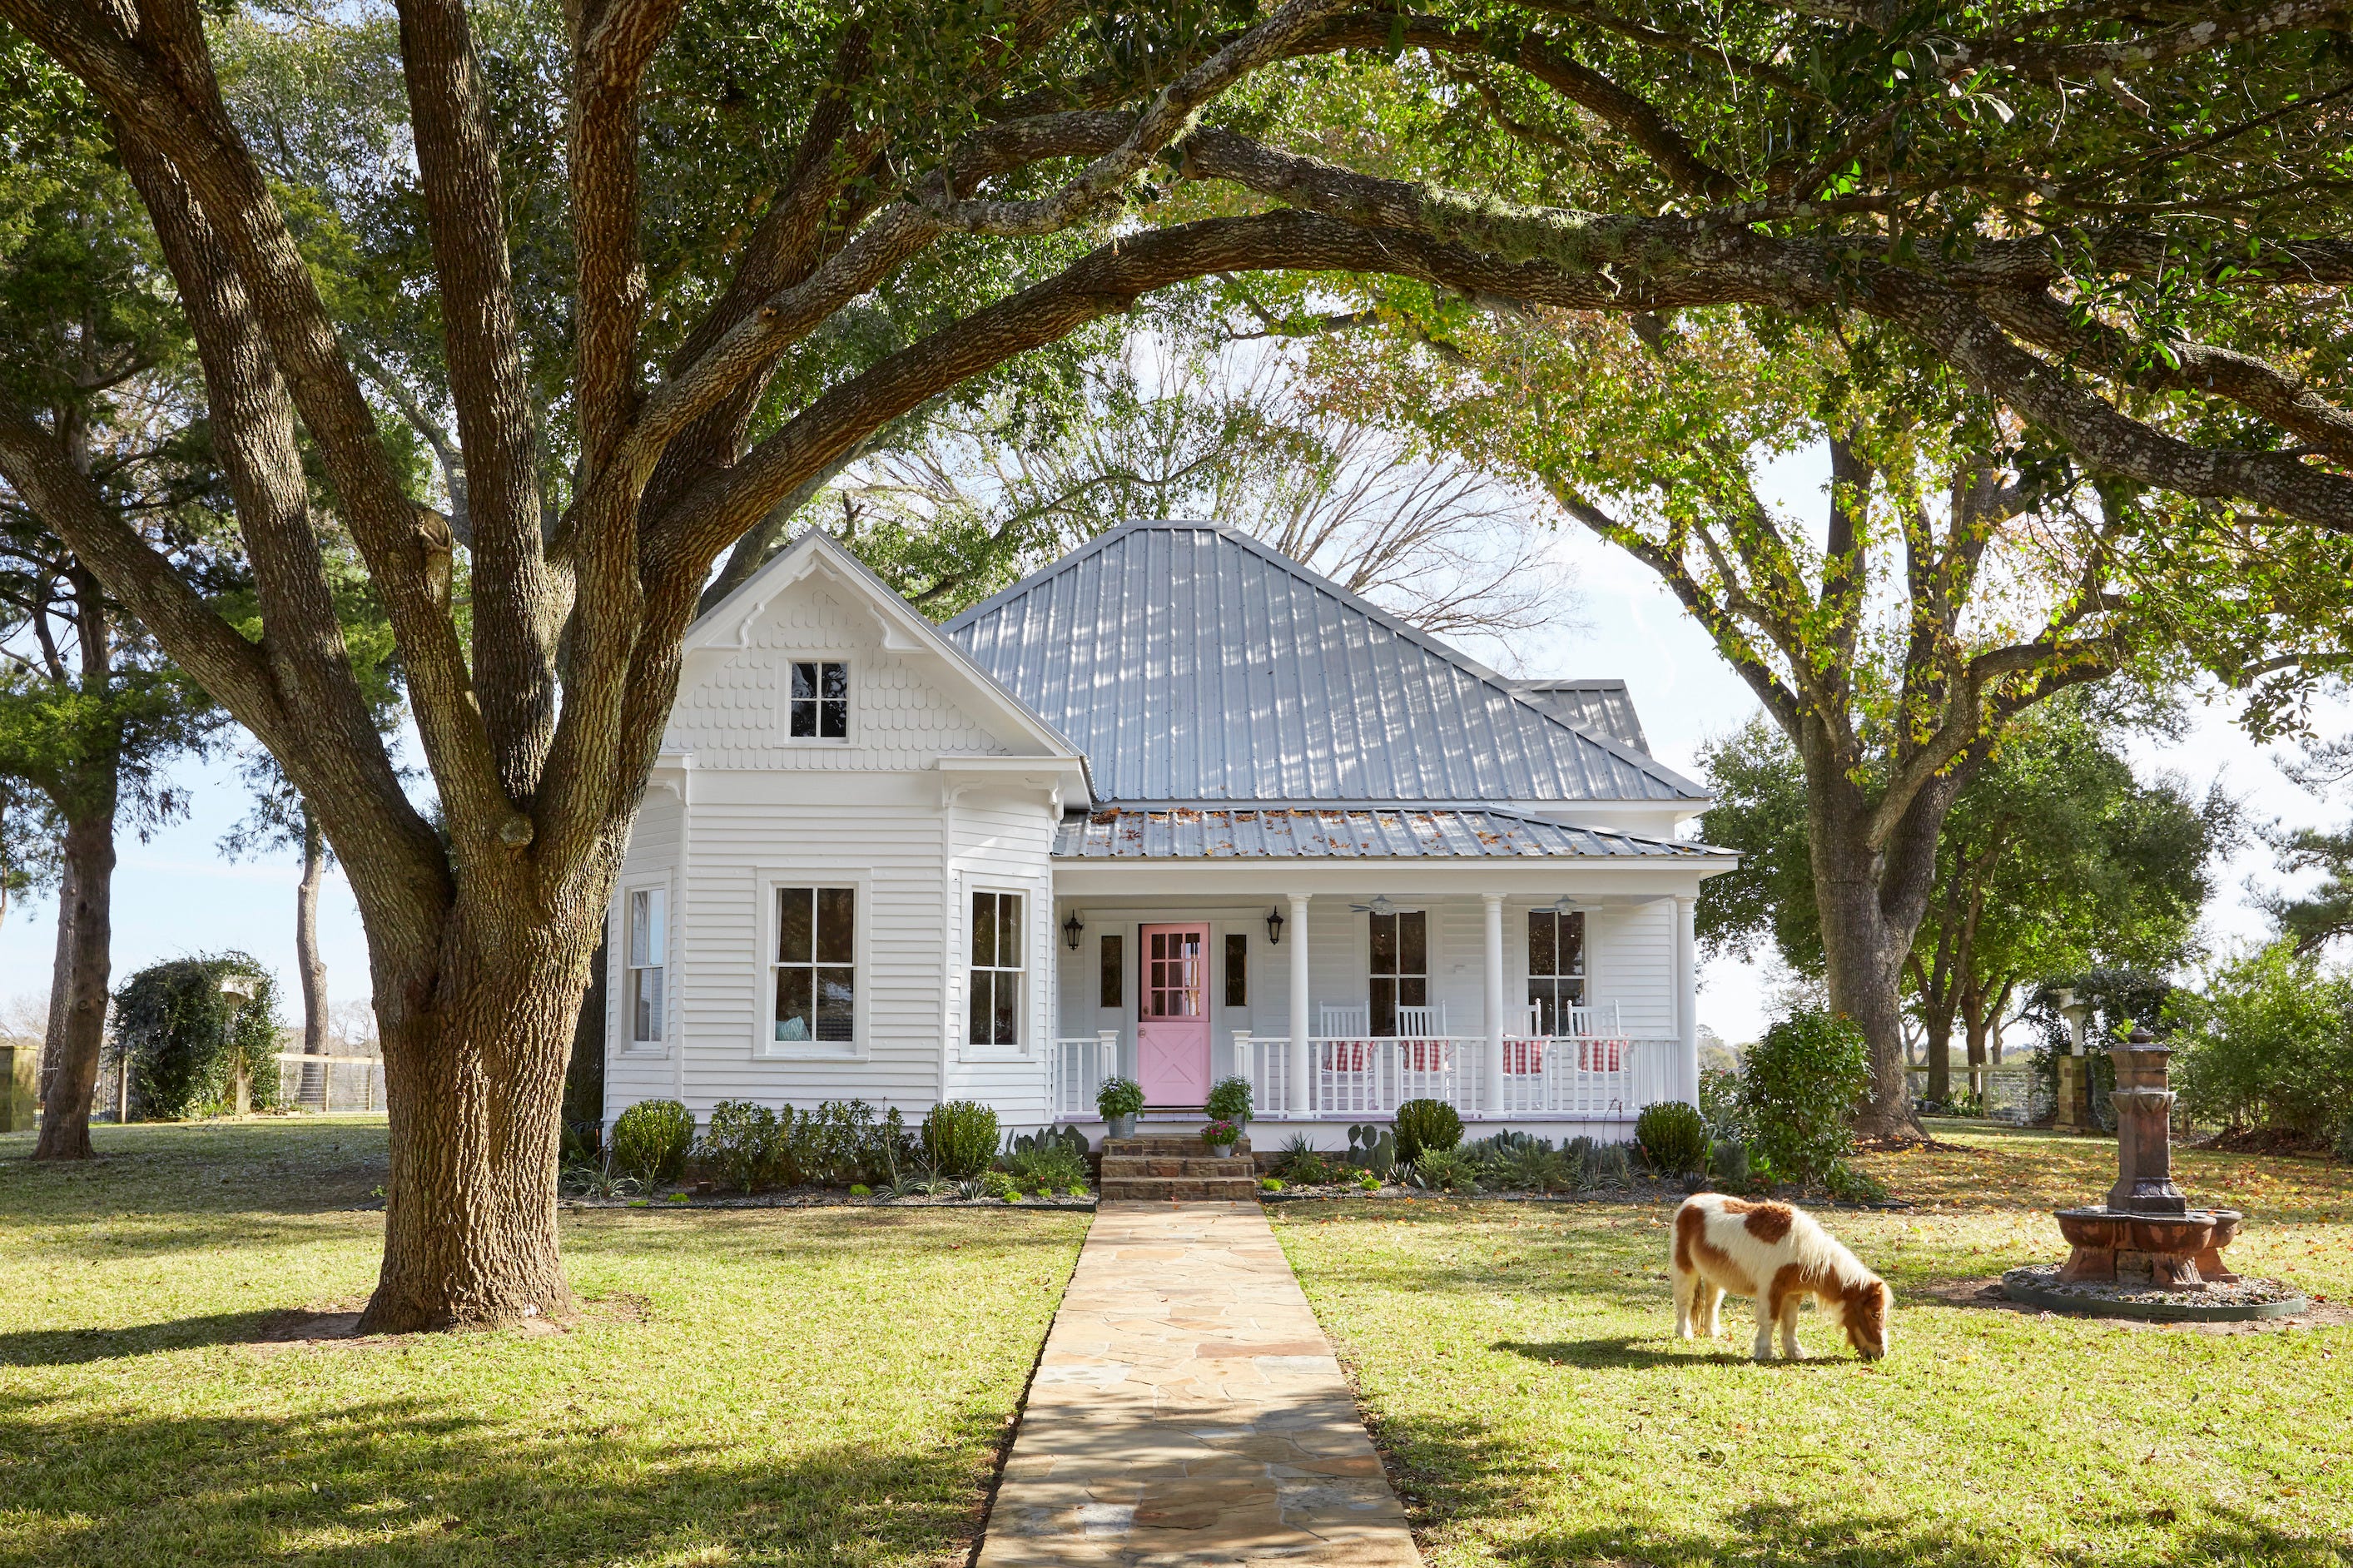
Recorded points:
(1159, 1169)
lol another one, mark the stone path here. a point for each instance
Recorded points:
(1188, 1410)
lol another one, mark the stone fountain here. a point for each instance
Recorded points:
(2145, 1252)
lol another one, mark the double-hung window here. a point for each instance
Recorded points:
(820, 702)
(994, 998)
(1400, 967)
(816, 964)
(1555, 968)
(649, 942)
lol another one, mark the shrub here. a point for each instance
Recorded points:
(1719, 1102)
(998, 1185)
(959, 1138)
(1727, 1161)
(1230, 1100)
(650, 1140)
(1047, 1166)
(1849, 1186)
(190, 1044)
(1534, 1166)
(843, 1142)
(1119, 1097)
(1594, 1165)
(744, 1144)
(1798, 1086)
(1423, 1125)
(1672, 1137)
(1449, 1168)
(2269, 1045)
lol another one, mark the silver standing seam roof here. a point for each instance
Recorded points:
(1602, 706)
(1190, 663)
(1184, 833)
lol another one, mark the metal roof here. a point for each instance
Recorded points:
(1603, 707)
(1191, 662)
(1369, 833)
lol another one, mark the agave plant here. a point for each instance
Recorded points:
(598, 1179)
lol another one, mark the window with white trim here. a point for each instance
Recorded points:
(1400, 967)
(820, 700)
(816, 978)
(649, 942)
(1556, 968)
(994, 998)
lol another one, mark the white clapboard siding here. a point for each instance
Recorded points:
(1631, 958)
(1002, 842)
(634, 1075)
(730, 711)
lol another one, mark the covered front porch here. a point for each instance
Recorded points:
(1527, 978)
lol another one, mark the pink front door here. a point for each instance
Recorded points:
(1172, 1030)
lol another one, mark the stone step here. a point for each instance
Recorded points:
(1161, 1189)
(1165, 1145)
(1114, 1165)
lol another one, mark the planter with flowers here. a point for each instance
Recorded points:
(1220, 1137)
(1120, 1099)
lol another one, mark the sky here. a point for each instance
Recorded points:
(176, 894)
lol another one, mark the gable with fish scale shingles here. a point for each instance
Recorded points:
(1191, 662)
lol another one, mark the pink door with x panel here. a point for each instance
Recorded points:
(1172, 1031)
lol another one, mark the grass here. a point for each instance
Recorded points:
(1517, 1363)
(773, 1386)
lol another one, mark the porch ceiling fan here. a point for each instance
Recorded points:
(1380, 905)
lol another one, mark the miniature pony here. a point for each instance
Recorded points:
(1779, 1256)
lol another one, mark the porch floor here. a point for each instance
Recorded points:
(1188, 1410)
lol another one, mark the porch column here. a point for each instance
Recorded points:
(1303, 1055)
(1492, 1092)
(1687, 996)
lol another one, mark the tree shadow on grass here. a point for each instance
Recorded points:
(75, 1347)
(1463, 1480)
(1784, 1536)
(406, 1481)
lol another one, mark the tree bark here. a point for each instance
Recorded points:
(307, 959)
(473, 1085)
(77, 998)
(1939, 1029)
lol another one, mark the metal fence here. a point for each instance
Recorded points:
(2014, 1092)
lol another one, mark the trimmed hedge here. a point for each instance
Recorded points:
(1426, 1126)
(652, 1137)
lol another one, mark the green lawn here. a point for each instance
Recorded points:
(822, 1386)
(1517, 1362)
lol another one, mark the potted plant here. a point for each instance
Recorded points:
(1230, 1100)
(1219, 1136)
(1119, 1100)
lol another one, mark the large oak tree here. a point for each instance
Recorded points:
(1617, 162)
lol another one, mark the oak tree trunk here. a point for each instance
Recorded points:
(1869, 901)
(77, 1031)
(307, 960)
(1939, 1028)
(473, 1085)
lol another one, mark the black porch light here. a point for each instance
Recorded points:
(1274, 928)
(1073, 929)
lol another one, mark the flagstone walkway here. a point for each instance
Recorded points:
(1188, 1410)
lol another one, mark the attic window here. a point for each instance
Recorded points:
(820, 706)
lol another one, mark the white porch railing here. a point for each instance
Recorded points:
(1594, 1078)
(1373, 1076)
(1076, 1069)
(1266, 1062)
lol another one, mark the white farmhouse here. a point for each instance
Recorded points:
(1173, 807)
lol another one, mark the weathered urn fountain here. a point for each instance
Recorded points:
(2146, 1253)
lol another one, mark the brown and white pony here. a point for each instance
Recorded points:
(1778, 1255)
